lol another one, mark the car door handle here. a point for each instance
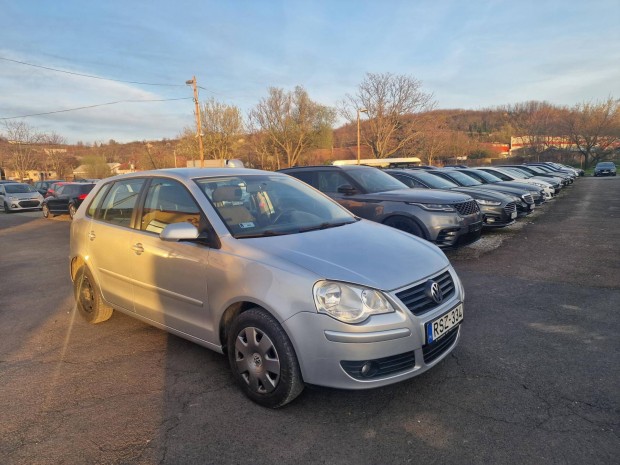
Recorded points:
(137, 248)
(91, 235)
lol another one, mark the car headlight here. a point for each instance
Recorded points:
(349, 303)
(488, 202)
(434, 207)
(12, 198)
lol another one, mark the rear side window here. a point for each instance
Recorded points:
(97, 200)
(330, 181)
(120, 201)
(168, 202)
(307, 177)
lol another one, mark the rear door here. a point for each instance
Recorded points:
(110, 241)
(59, 202)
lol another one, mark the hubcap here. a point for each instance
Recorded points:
(87, 296)
(257, 360)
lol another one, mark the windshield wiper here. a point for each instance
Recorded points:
(267, 233)
(325, 225)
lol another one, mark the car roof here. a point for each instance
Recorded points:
(338, 167)
(187, 174)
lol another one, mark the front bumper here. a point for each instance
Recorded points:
(331, 353)
(18, 205)
(499, 216)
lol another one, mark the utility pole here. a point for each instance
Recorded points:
(192, 82)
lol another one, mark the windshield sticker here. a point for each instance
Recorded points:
(246, 225)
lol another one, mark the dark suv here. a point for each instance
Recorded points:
(445, 218)
(499, 209)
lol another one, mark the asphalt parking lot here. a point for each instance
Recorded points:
(535, 379)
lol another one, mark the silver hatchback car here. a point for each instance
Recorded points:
(262, 267)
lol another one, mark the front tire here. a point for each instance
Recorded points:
(7, 210)
(46, 211)
(263, 360)
(88, 299)
(72, 211)
(405, 224)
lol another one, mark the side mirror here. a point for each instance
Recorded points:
(179, 232)
(347, 189)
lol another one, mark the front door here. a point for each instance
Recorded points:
(170, 278)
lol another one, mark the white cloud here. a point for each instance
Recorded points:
(26, 90)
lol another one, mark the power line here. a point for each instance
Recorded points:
(94, 106)
(91, 76)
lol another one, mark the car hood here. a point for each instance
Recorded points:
(25, 195)
(482, 194)
(416, 195)
(364, 253)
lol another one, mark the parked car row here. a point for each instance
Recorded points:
(449, 207)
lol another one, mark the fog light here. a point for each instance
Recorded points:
(490, 220)
(369, 369)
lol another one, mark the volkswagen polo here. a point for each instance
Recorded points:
(261, 267)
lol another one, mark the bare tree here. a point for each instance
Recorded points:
(291, 122)
(594, 128)
(22, 153)
(55, 156)
(222, 126)
(433, 140)
(392, 103)
(537, 125)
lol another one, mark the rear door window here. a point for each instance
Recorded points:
(120, 201)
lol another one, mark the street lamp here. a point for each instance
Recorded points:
(359, 110)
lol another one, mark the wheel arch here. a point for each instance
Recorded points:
(417, 221)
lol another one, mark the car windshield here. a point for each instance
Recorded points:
(536, 170)
(519, 173)
(605, 164)
(18, 188)
(374, 180)
(271, 205)
(434, 182)
(488, 177)
(462, 179)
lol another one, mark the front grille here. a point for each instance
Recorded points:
(467, 208)
(381, 366)
(434, 350)
(510, 208)
(416, 300)
(527, 198)
(29, 203)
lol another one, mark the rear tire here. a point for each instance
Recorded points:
(46, 211)
(263, 360)
(405, 224)
(88, 299)
(72, 211)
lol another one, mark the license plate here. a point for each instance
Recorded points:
(440, 326)
(513, 215)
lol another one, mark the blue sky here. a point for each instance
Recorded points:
(469, 54)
